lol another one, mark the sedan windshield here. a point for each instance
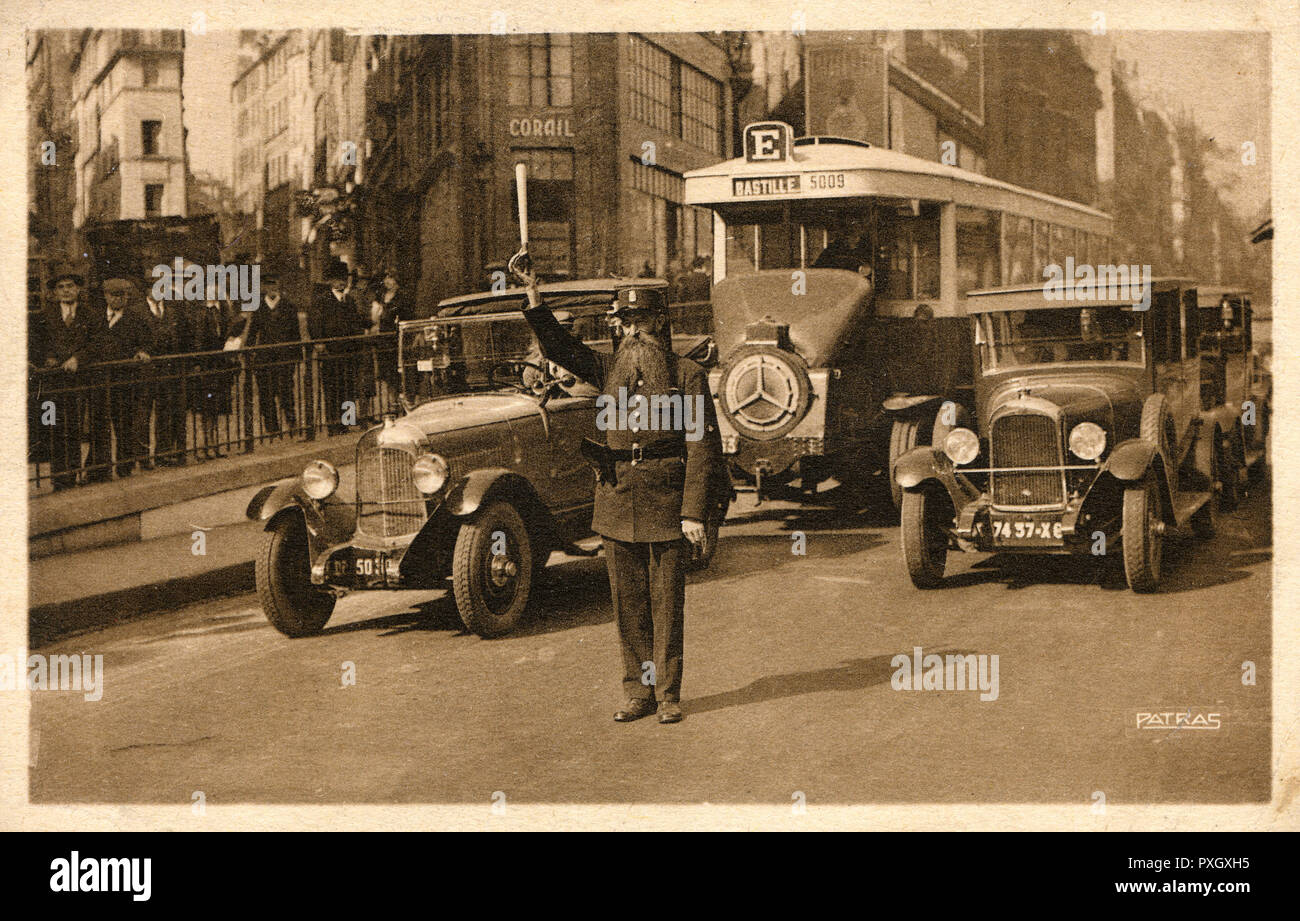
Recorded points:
(1021, 338)
(445, 357)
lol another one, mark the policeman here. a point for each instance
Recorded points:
(651, 512)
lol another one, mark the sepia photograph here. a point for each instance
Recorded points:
(800, 412)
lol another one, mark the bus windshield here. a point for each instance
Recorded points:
(896, 242)
(1020, 338)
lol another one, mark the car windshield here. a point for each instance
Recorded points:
(449, 356)
(1021, 338)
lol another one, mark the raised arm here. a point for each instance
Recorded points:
(557, 343)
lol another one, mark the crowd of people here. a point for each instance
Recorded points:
(125, 378)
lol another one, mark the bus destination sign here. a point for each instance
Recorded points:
(765, 185)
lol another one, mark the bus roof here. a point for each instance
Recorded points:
(1034, 297)
(873, 171)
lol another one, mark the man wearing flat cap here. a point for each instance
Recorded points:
(71, 331)
(657, 488)
(123, 337)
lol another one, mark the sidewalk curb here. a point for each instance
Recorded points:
(47, 623)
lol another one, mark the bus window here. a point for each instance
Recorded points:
(907, 266)
(1018, 258)
(978, 262)
(740, 249)
(1042, 246)
(1062, 245)
(778, 246)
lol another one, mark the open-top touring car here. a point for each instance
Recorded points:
(478, 481)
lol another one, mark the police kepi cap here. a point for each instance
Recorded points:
(638, 300)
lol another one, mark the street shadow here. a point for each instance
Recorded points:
(740, 555)
(852, 675)
(572, 593)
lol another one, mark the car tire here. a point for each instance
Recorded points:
(926, 515)
(1205, 520)
(1142, 536)
(904, 435)
(282, 573)
(1230, 461)
(492, 589)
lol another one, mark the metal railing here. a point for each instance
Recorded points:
(108, 418)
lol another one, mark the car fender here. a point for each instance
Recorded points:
(329, 521)
(910, 405)
(1131, 459)
(920, 464)
(925, 463)
(430, 550)
(1130, 462)
(466, 497)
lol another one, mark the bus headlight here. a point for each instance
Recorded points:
(1087, 440)
(320, 480)
(962, 446)
(430, 473)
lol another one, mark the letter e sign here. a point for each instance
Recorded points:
(767, 142)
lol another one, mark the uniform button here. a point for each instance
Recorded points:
(640, 383)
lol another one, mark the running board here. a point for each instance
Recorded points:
(1186, 504)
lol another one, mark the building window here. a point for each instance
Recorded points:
(675, 97)
(657, 218)
(153, 199)
(149, 72)
(701, 110)
(150, 131)
(550, 208)
(652, 84)
(541, 70)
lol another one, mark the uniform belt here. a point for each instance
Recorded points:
(638, 453)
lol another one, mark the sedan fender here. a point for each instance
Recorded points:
(1131, 459)
(924, 463)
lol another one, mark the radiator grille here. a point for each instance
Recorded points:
(1026, 441)
(389, 505)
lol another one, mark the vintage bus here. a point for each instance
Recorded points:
(840, 271)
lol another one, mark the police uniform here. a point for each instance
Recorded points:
(660, 477)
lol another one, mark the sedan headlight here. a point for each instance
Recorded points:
(1087, 440)
(429, 473)
(320, 480)
(962, 446)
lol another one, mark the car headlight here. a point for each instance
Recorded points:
(962, 446)
(1087, 440)
(320, 480)
(429, 473)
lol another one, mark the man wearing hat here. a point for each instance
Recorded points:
(70, 335)
(124, 336)
(274, 321)
(652, 509)
(337, 316)
(162, 391)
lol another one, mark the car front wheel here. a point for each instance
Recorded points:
(926, 517)
(1143, 536)
(282, 571)
(492, 570)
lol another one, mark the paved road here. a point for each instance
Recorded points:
(787, 688)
